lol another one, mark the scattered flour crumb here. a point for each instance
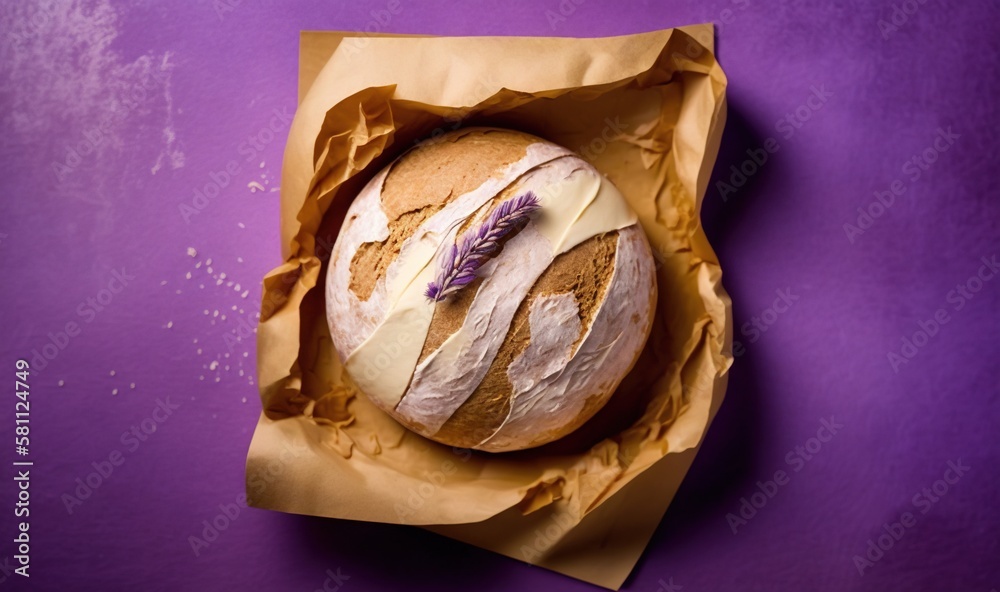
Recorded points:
(191, 252)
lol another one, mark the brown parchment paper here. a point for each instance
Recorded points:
(647, 110)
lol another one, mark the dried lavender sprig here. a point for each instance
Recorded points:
(459, 263)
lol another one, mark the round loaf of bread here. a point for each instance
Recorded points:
(490, 290)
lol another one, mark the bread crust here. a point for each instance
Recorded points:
(536, 345)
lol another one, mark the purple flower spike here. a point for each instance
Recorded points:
(458, 264)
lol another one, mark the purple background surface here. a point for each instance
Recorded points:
(156, 101)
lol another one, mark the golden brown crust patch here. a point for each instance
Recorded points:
(449, 314)
(438, 171)
(371, 260)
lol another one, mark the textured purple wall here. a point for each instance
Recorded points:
(868, 355)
